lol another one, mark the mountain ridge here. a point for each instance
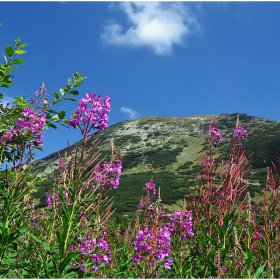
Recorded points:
(170, 149)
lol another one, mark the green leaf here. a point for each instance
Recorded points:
(1, 95)
(69, 98)
(220, 232)
(52, 111)
(54, 118)
(11, 69)
(23, 46)
(67, 259)
(55, 94)
(62, 91)
(74, 92)
(21, 101)
(55, 101)
(48, 124)
(6, 60)
(18, 61)
(76, 76)
(210, 265)
(9, 51)
(78, 83)
(67, 88)
(259, 271)
(69, 82)
(40, 149)
(60, 241)
(78, 79)
(17, 42)
(248, 256)
(71, 273)
(20, 51)
(43, 243)
(62, 114)
(6, 84)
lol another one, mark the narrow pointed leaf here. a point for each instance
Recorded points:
(20, 51)
(69, 98)
(258, 272)
(74, 92)
(67, 259)
(18, 61)
(23, 45)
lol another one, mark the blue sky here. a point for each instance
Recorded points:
(172, 59)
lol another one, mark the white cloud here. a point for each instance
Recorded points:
(5, 100)
(132, 114)
(158, 25)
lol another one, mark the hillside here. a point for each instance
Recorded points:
(170, 150)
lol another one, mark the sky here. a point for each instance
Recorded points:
(174, 59)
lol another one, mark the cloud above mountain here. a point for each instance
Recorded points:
(156, 25)
(132, 114)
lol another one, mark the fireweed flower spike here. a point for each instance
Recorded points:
(31, 124)
(149, 191)
(181, 221)
(92, 113)
(150, 186)
(240, 133)
(257, 235)
(145, 242)
(94, 250)
(40, 100)
(214, 133)
(108, 173)
(54, 198)
(168, 263)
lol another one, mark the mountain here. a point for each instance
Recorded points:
(170, 149)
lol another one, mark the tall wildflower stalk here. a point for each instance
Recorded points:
(156, 232)
(152, 240)
(218, 201)
(74, 238)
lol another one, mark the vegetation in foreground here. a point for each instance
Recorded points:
(218, 233)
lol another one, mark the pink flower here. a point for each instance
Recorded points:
(215, 133)
(108, 173)
(257, 235)
(144, 245)
(150, 186)
(92, 113)
(181, 221)
(240, 133)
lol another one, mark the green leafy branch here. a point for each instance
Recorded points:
(54, 116)
(9, 63)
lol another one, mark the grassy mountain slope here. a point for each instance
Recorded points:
(170, 150)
